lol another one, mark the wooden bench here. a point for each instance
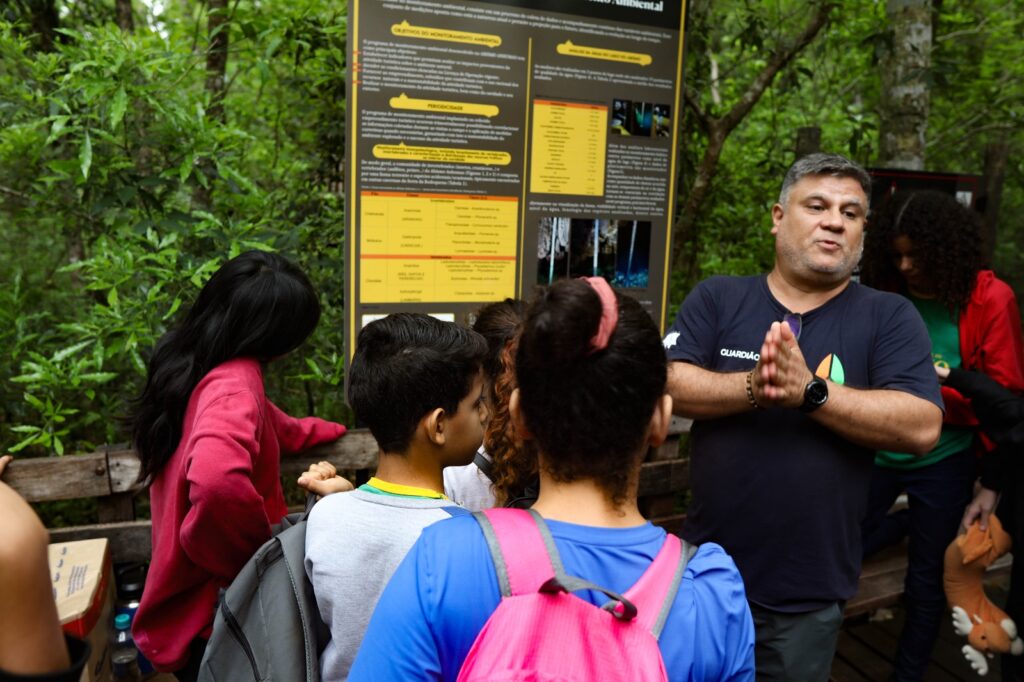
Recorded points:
(109, 475)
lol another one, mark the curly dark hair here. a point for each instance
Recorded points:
(947, 244)
(514, 460)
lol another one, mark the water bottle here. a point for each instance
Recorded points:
(131, 578)
(130, 581)
(124, 656)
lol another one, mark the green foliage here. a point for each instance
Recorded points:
(119, 196)
(977, 96)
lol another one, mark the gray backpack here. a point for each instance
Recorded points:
(267, 625)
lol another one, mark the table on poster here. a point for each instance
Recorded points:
(418, 247)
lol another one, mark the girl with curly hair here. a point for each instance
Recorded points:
(505, 468)
(927, 246)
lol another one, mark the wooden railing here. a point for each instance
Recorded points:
(110, 474)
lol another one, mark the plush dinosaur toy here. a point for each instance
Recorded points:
(988, 629)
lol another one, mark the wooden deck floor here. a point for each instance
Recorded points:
(867, 650)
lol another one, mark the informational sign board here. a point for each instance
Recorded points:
(496, 146)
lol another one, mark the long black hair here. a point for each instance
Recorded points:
(258, 305)
(589, 411)
(947, 243)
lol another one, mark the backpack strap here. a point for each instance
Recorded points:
(518, 540)
(655, 592)
(513, 534)
(485, 465)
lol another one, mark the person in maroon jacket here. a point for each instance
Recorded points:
(210, 442)
(927, 246)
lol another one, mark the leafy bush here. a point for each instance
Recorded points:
(120, 196)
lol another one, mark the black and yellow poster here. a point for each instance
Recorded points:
(496, 146)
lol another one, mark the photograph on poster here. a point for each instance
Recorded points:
(641, 119)
(592, 248)
(642, 112)
(618, 250)
(662, 120)
(633, 255)
(621, 112)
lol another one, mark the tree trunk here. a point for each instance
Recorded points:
(904, 66)
(45, 21)
(218, 29)
(808, 141)
(997, 155)
(125, 18)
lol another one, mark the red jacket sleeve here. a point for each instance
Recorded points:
(227, 521)
(998, 351)
(296, 435)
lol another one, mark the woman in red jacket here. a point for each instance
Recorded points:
(927, 246)
(210, 441)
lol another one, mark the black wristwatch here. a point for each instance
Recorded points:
(815, 394)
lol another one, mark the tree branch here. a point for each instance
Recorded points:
(778, 60)
(218, 29)
(14, 193)
(703, 119)
(1006, 128)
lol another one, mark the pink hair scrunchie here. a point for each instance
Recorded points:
(609, 312)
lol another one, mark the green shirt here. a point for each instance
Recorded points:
(945, 336)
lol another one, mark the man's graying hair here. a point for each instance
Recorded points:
(824, 164)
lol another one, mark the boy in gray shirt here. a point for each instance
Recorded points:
(417, 384)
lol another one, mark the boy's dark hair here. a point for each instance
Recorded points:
(588, 411)
(947, 243)
(406, 365)
(258, 305)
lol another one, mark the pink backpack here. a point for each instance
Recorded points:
(540, 632)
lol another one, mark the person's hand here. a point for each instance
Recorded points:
(4, 461)
(781, 374)
(942, 372)
(323, 479)
(980, 507)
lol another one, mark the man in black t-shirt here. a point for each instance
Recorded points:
(794, 379)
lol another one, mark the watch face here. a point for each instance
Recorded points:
(817, 392)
